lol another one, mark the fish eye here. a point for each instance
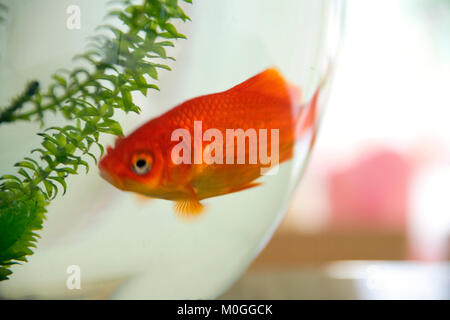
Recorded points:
(141, 163)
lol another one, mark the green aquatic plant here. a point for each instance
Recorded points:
(118, 61)
(3, 9)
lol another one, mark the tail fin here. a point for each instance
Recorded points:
(308, 115)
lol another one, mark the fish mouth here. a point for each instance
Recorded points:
(105, 175)
(113, 179)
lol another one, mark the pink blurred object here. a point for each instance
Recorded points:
(371, 191)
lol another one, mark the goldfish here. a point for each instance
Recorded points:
(147, 161)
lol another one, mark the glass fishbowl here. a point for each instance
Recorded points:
(125, 246)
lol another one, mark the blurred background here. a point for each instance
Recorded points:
(371, 218)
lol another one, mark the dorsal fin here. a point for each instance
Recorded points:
(270, 83)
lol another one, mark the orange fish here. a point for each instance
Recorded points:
(144, 161)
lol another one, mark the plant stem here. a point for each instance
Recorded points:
(7, 115)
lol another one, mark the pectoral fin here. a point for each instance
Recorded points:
(188, 208)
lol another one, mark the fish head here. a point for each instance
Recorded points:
(133, 164)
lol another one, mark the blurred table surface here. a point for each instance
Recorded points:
(346, 280)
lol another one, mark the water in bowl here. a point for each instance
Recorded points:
(127, 247)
